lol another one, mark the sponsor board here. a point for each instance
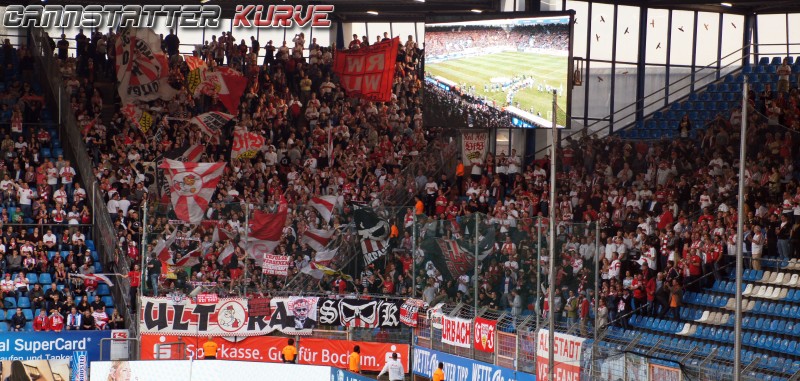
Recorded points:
(459, 368)
(567, 349)
(457, 331)
(44, 370)
(51, 345)
(324, 352)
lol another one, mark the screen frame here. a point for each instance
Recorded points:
(483, 16)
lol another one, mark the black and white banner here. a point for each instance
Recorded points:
(360, 313)
(373, 232)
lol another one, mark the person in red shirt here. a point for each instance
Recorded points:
(55, 321)
(441, 203)
(135, 277)
(695, 264)
(41, 322)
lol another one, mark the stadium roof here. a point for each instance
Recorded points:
(416, 10)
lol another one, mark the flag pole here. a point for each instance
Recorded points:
(413, 255)
(737, 322)
(247, 255)
(551, 242)
(144, 253)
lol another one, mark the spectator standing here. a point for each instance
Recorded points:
(355, 360)
(438, 374)
(210, 349)
(394, 368)
(154, 273)
(289, 353)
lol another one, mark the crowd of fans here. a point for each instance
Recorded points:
(442, 41)
(294, 102)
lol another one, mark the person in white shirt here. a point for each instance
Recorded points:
(25, 196)
(78, 195)
(394, 368)
(113, 207)
(60, 195)
(50, 239)
(67, 173)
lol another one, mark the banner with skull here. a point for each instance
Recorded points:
(360, 313)
(373, 232)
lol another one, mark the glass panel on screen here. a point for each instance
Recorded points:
(681, 43)
(771, 35)
(794, 35)
(599, 82)
(654, 92)
(627, 34)
(707, 38)
(602, 37)
(581, 27)
(657, 20)
(403, 30)
(731, 38)
(505, 67)
(624, 95)
(377, 29)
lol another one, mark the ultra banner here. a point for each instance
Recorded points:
(268, 349)
(460, 368)
(227, 317)
(457, 331)
(567, 349)
(360, 313)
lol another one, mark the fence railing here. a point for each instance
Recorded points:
(103, 230)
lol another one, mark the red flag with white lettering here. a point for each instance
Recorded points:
(368, 72)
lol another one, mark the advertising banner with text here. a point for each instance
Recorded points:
(268, 349)
(567, 350)
(460, 368)
(457, 331)
(184, 370)
(51, 345)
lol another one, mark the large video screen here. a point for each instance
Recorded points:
(507, 67)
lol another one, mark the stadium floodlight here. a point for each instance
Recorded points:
(374, 13)
(726, 4)
(476, 10)
(204, 1)
(420, 1)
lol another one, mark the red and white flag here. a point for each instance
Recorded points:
(324, 205)
(96, 277)
(316, 239)
(324, 257)
(193, 154)
(162, 248)
(142, 67)
(194, 62)
(234, 84)
(191, 186)
(245, 144)
(265, 232)
(225, 256)
(211, 123)
(140, 119)
(368, 73)
(190, 259)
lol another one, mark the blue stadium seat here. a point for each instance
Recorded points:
(103, 290)
(29, 326)
(9, 302)
(790, 60)
(763, 61)
(46, 153)
(58, 152)
(23, 302)
(109, 301)
(95, 256)
(98, 267)
(729, 78)
(28, 314)
(693, 97)
(711, 87)
(32, 278)
(747, 69)
(90, 245)
(45, 278)
(10, 314)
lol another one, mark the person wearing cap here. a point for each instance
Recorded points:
(210, 349)
(394, 369)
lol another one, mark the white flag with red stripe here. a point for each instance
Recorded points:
(225, 256)
(316, 239)
(324, 257)
(190, 259)
(162, 248)
(324, 205)
(142, 67)
(95, 277)
(245, 144)
(191, 186)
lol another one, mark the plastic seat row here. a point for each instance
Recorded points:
(705, 299)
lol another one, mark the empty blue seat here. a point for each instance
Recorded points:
(776, 60)
(711, 87)
(109, 301)
(90, 244)
(28, 314)
(58, 152)
(46, 153)
(763, 61)
(98, 267)
(32, 278)
(9, 302)
(23, 302)
(45, 278)
(103, 290)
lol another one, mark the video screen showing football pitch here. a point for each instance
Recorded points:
(502, 62)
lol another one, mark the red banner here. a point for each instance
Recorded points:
(368, 72)
(457, 331)
(567, 353)
(337, 353)
(268, 349)
(484, 334)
